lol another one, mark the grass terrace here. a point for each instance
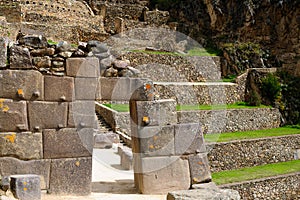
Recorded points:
(257, 172)
(232, 136)
(191, 52)
(239, 105)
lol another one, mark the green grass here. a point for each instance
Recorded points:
(225, 137)
(256, 172)
(191, 52)
(118, 107)
(238, 105)
(229, 78)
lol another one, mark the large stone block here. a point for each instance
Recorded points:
(71, 176)
(20, 58)
(59, 88)
(47, 115)
(189, 139)
(125, 89)
(159, 175)
(25, 145)
(199, 168)
(21, 84)
(12, 166)
(154, 113)
(205, 191)
(68, 143)
(83, 67)
(82, 114)
(3, 52)
(86, 88)
(13, 116)
(26, 187)
(156, 141)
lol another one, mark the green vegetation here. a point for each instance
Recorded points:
(50, 42)
(256, 172)
(192, 52)
(271, 88)
(118, 107)
(225, 137)
(229, 78)
(239, 105)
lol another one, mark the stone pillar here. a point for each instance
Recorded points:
(167, 156)
(119, 25)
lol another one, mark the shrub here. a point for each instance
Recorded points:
(271, 88)
(254, 98)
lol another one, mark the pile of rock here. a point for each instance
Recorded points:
(35, 52)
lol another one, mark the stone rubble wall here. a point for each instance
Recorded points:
(200, 93)
(279, 187)
(248, 153)
(212, 121)
(231, 120)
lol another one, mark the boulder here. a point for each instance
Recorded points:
(34, 41)
(20, 58)
(208, 191)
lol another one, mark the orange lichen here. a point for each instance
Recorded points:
(25, 189)
(20, 92)
(200, 163)
(5, 108)
(77, 163)
(148, 86)
(151, 146)
(155, 137)
(11, 138)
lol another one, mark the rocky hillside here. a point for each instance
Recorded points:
(252, 33)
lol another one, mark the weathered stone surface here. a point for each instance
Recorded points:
(189, 139)
(43, 52)
(3, 52)
(126, 159)
(156, 141)
(17, 84)
(159, 113)
(12, 166)
(68, 143)
(71, 176)
(42, 62)
(63, 46)
(20, 58)
(86, 88)
(124, 89)
(13, 115)
(82, 114)
(199, 168)
(35, 41)
(26, 187)
(96, 47)
(83, 67)
(59, 88)
(25, 145)
(106, 140)
(159, 175)
(205, 193)
(47, 115)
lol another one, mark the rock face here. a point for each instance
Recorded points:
(273, 25)
(204, 192)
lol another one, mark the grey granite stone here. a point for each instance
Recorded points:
(59, 88)
(26, 187)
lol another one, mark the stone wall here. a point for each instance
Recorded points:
(209, 93)
(230, 120)
(118, 121)
(248, 153)
(279, 187)
(173, 68)
(47, 120)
